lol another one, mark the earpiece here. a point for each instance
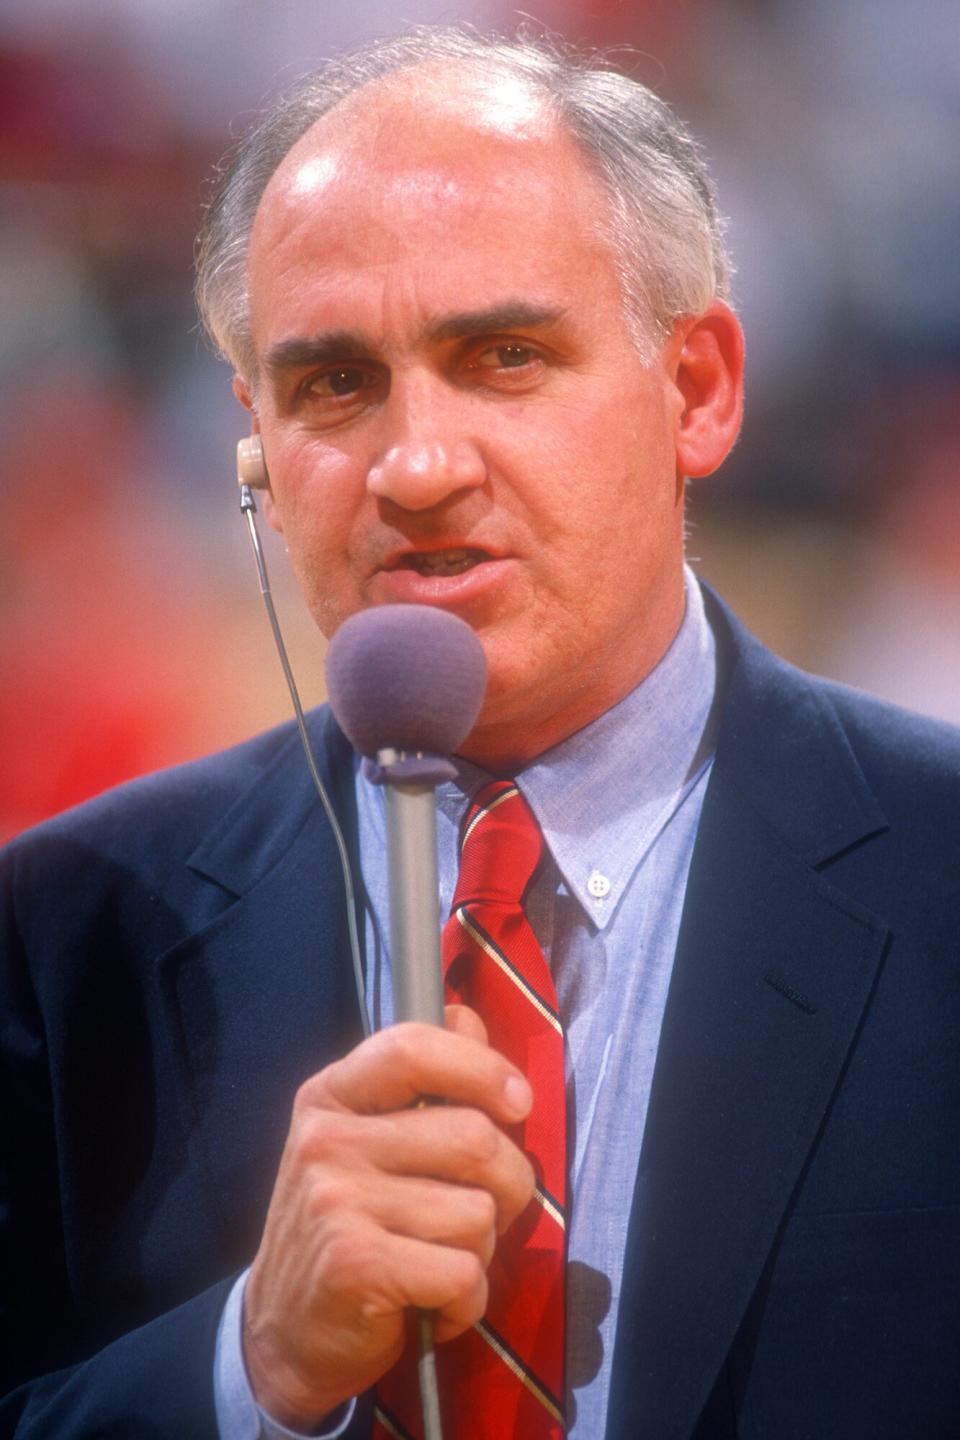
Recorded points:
(251, 466)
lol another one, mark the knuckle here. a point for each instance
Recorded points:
(483, 1213)
(517, 1196)
(398, 1044)
(346, 1258)
(304, 1093)
(472, 1274)
(474, 1293)
(308, 1094)
(328, 1089)
(478, 1307)
(330, 1195)
(478, 1137)
(315, 1136)
(406, 1051)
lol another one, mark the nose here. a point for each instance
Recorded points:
(428, 454)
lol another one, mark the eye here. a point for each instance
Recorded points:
(508, 356)
(342, 381)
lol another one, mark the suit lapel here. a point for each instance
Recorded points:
(773, 970)
(263, 995)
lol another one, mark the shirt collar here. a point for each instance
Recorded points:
(604, 795)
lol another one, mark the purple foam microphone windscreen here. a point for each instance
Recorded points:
(406, 677)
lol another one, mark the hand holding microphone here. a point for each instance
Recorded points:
(379, 1207)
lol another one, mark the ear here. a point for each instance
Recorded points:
(244, 394)
(709, 378)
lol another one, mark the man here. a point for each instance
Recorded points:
(474, 297)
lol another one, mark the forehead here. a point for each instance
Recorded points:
(436, 176)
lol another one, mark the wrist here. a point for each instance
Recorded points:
(280, 1389)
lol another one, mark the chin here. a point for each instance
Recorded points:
(516, 698)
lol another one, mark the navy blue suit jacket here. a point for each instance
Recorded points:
(176, 963)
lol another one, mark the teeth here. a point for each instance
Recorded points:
(444, 562)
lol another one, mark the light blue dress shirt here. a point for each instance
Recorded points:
(619, 805)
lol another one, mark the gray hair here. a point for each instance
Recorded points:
(663, 224)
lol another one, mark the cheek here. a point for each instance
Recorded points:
(316, 490)
(301, 463)
(317, 505)
(594, 491)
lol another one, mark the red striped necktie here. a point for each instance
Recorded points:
(505, 1377)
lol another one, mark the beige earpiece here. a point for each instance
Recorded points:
(251, 466)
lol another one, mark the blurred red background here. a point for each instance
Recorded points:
(131, 634)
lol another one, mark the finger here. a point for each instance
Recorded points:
(462, 1216)
(451, 1283)
(459, 1145)
(401, 1064)
(346, 1157)
(441, 1213)
(461, 1020)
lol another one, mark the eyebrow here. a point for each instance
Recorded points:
(297, 354)
(333, 345)
(512, 315)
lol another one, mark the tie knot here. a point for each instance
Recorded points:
(500, 848)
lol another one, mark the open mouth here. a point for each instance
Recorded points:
(442, 562)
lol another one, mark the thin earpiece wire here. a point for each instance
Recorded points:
(249, 507)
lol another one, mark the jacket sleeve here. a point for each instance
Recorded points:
(141, 1124)
(154, 1381)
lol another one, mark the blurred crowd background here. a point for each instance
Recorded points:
(131, 633)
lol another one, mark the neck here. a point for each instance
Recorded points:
(503, 744)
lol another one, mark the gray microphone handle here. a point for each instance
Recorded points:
(417, 978)
(414, 902)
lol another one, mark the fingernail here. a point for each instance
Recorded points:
(518, 1095)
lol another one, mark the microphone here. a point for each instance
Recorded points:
(406, 683)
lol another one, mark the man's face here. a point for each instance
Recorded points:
(452, 409)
